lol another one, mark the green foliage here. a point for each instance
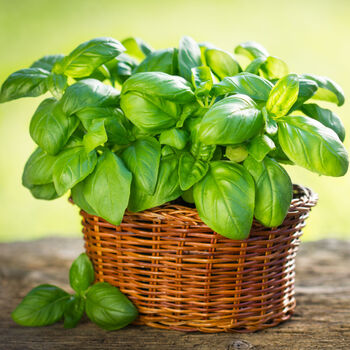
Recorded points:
(187, 121)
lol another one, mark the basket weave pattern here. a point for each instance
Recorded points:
(181, 275)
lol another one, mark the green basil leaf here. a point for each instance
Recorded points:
(274, 68)
(236, 153)
(325, 117)
(191, 170)
(278, 153)
(159, 61)
(251, 50)
(83, 60)
(328, 90)
(148, 113)
(42, 306)
(96, 135)
(270, 124)
(45, 191)
(162, 85)
(57, 84)
(74, 311)
(283, 95)
(47, 62)
(50, 128)
(244, 83)
(222, 63)
(273, 191)
(81, 273)
(142, 158)
(108, 307)
(88, 93)
(72, 166)
(121, 68)
(38, 169)
(137, 48)
(225, 199)
(260, 146)
(187, 196)
(29, 82)
(255, 65)
(77, 193)
(167, 187)
(189, 57)
(232, 120)
(313, 146)
(307, 89)
(107, 189)
(202, 80)
(176, 138)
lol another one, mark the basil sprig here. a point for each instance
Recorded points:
(129, 127)
(104, 304)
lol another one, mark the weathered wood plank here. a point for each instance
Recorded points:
(321, 320)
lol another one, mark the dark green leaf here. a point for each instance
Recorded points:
(72, 166)
(47, 62)
(74, 311)
(108, 307)
(96, 135)
(29, 82)
(121, 68)
(79, 199)
(283, 95)
(176, 138)
(83, 60)
(107, 189)
(252, 50)
(57, 84)
(313, 146)
(328, 90)
(244, 83)
(46, 191)
(225, 199)
(50, 128)
(88, 93)
(307, 89)
(232, 120)
(42, 306)
(325, 117)
(255, 65)
(222, 63)
(189, 57)
(273, 191)
(142, 158)
(81, 273)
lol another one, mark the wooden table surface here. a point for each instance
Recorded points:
(321, 320)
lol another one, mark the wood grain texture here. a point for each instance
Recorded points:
(321, 320)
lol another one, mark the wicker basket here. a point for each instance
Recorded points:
(183, 276)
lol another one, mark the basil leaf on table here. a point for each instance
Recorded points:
(328, 90)
(81, 273)
(74, 311)
(137, 48)
(245, 83)
(189, 57)
(107, 189)
(326, 117)
(142, 158)
(88, 93)
(167, 187)
(283, 96)
(47, 62)
(83, 60)
(72, 166)
(28, 82)
(108, 307)
(222, 63)
(42, 306)
(159, 61)
(50, 128)
(225, 199)
(232, 120)
(313, 146)
(273, 191)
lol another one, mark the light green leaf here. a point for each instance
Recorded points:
(307, 89)
(260, 146)
(225, 199)
(202, 80)
(189, 57)
(236, 153)
(251, 50)
(96, 135)
(274, 68)
(176, 138)
(137, 48)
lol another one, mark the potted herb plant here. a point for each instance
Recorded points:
(174, 157)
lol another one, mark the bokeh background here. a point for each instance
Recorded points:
(312, 36)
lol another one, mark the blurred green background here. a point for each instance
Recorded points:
(312, 36)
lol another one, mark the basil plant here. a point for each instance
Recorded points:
(130, 127)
